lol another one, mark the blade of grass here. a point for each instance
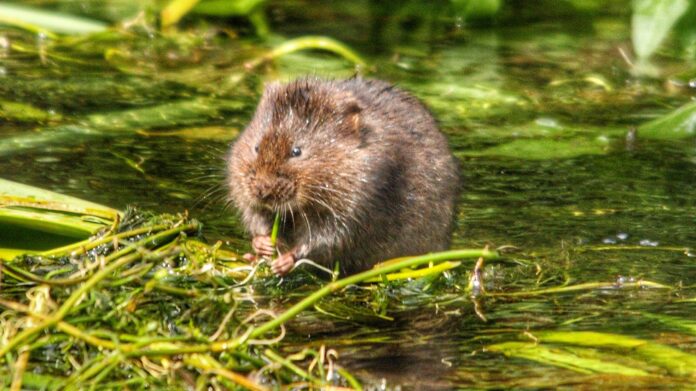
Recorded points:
(309, 43)
(564, 359)
(673, 360)
(584, 286)
(175, 10)
(38, 20)
(686, 325)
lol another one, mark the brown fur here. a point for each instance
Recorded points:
(375, 178)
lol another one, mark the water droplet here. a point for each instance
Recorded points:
(620, 280)
(546, 121)
(4, 46)
(649, 243)
(47, 159)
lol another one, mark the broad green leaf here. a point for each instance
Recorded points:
(651, 22)
(570, 349)
(685, 325)
(197, 133)
(564, 359)
(36, 19)
(175, 10)
(178, 113)
(36, 219)
(167, 115)
(476, 8)
(680, 123)
(22, 112)
(673, 360)
(685, 32)
(227, 7)
(545, 149)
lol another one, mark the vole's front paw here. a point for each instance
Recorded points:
(283, 264)
(262, 245)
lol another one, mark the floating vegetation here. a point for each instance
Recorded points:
(130, 307)
(33, 219)
(47, 22)
(679, 124)
(593, 352)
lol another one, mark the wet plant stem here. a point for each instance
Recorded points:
(273, 356)
(274, 231)
(219, 346)
(585, 286)
(121, 260)
(308, 42)
(206, 363)
(86, 245)
(19, 367)
(366, 275)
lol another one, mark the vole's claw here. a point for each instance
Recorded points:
(283, 264)
(263, 246)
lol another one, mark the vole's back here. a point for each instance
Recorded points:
(416, 182)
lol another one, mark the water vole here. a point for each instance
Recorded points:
(357, 168)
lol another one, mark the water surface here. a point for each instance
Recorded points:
(623, 212)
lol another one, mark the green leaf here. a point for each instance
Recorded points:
(175, 10)
(673, 360)
(686, 325)
(545, 149)
(36, 219)
(227, 7)
(22, 112)
(680, 123)
(651, 22)
(167, 115)
(578, 351)
(573, 360)
(476, 9)
(39, 20)
(685, 33)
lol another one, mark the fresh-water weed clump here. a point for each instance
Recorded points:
(146, 303)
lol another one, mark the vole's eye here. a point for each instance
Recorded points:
(296, 151)
(256, 148)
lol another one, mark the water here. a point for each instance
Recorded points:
(621, 212)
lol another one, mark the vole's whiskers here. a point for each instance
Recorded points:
(309, 226)
(212, 195)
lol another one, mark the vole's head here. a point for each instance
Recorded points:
(301, 148)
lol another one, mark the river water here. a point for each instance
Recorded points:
(541, 114)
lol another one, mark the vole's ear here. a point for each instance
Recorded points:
(350, 111)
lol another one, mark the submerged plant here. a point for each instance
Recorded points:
(131, 307)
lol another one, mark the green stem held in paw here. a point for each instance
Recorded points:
(274, 231)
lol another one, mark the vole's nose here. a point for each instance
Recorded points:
(273, 188)
(264, 190)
